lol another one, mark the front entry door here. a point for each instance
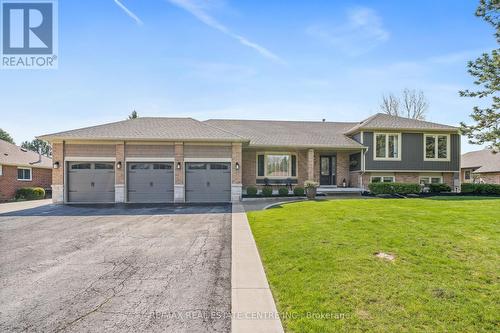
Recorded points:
(327, 166)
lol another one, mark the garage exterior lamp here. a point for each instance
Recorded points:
(178, 165)
(119, 165)
(56, 165)
(237, 166)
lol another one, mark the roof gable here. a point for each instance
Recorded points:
(11, 154)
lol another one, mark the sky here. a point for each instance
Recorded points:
(284, 60)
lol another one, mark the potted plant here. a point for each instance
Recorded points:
(311, 187)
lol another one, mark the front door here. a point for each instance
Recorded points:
(327, 166)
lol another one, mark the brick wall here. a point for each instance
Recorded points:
(9, 183)
(236, 158)
(89, 150)
(58, 156)
(406, 177)
(490, 178)
(214, 151)
(342, 168)
(134, 150)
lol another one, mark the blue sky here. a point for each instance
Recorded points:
(289, 60)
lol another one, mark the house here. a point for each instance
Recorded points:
(22, 168)
(482, 166)
(185, 160)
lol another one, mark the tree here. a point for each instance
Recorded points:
(6, 136)
(133, 115)
(38, 146)
(486, 72)
(412, 104)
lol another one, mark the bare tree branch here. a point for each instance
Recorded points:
(412, 104)
(390, 105)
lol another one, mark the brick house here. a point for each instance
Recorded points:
(22, 168)
(482, 166)
(185, 160)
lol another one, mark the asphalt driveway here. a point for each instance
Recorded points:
(134, 269)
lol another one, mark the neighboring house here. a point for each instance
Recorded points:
(185, 160)
(22, 168)
(482, 166)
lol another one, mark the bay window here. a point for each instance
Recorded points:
(437, 146)
(276, 165)
(387, 146)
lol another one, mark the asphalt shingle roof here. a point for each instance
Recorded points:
(484, 160)
(385, 121)
(289, 133)
(13, 155)
(146, 128)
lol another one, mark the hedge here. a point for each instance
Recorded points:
(267, 191)
(299, 191)
(251, 191)
(283, 191)
(394, 188)
(480, 188)
(30, 193)
(438, 188)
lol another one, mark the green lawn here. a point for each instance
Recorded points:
(319, 259)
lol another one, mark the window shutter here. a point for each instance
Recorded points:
(294, 166)
(260, 165)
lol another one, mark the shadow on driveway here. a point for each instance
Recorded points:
(122, 209)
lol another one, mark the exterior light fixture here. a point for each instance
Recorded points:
(119, 165)
(237, 166)
(178, 165)
(56, 165)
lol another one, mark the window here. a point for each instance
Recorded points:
(437, 147)
(104, 166)
(80, 166)
(276, 165)
(219, 166)
(466, 174)
(387, 146)
(382, 179)
(24, 174)
(197, 166)
(426, 180)
(140, 166)
(162, 166)
(1, 170)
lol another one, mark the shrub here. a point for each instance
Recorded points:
(267, 191)
(252, 191)
(438, 188)
(393, 188)
(469, 188)
(30, 193)
(299, 191)
(283, 191)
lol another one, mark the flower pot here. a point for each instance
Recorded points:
(311, 192)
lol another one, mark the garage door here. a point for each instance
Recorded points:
(92, 182)
(208, 182)
(150, 182)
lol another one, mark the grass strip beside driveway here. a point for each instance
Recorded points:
(320, 263)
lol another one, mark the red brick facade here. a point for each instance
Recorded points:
(9, 183)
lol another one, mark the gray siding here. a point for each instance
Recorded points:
(357, 137)
(412, 155)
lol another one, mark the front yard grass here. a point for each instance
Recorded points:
(320, 263)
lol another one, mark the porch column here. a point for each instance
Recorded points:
(179, 172)
(58, 174)
(310, 164)
(236, 172)
(120, 173)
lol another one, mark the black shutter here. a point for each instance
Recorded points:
(260, 165)
(294, 166)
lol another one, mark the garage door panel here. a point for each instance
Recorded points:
(208, 182)
(91, 182)
(150, 182)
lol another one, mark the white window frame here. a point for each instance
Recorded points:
(1, 170)
(430, 179)
(375, 158)
(382, 177)
(436, 148)
(277, 153)
(25, 180)
(470, 175)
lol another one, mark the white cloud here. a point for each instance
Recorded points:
(129, 12)
(199, 12)
(362, 31)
